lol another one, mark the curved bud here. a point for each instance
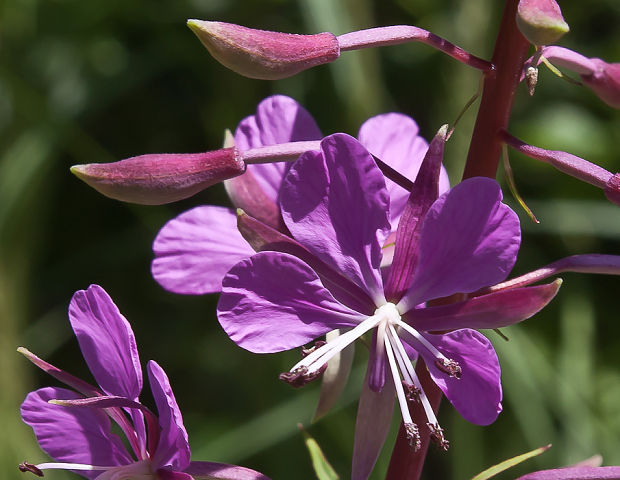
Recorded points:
(263, 54)
(604, 81)
(541, 21)
(612, 189)
(161, 178)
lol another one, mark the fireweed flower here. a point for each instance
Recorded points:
(73, 426)
(336, 205)
(194, 251)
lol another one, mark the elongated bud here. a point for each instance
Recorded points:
(263, 54)
(612, 189)
(161, 178)
(605, 81)
(541, 21)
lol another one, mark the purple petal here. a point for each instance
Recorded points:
(73, 435)
(194, 251)
(477, 395)
(378, 368)
(222, 471)
(575, 473)
(278, 119)
(494, 310)
(393, 137)
(274, 301)
(374, 417)
(173, 447)
(469, 240)
(107, 342)
(165, 474)
(336, 205)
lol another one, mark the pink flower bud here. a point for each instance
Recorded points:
(605, 81)
(262, 54)
(612, 189)
(161, 178)
(541, 21)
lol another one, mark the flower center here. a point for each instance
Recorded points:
(390, 328)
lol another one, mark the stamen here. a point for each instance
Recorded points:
(321, 355)
(307, 351)
(400, 393)
(29, 467)
(301, 376)
(413, 435)
(437, 436)
(411, 392)
(449, 366)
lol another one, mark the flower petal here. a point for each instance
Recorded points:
(395, 139)
(107, 342)
(73, 435)
(222, 471)
(494, 310)
(278, 119)
(469, 240)
(335, 204)
(477, 395)
(195, 250)
(173, 447)
(273, 301)
(374, 417)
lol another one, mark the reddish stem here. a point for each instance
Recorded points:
(405, 464)
(498, 94)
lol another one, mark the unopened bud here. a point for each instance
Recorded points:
(612, 189)
(541, 21)
(161, 178)
(263, 54)
(605, 81)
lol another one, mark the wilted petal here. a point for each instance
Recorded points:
(469, 240)
(107, 342)
(395, 139)
(477, 395)
(336, 205)
(273, 301)
(494, 310)
(335, 377)
(222, 471)
(73, 435)
(194, 251)
(278, 119)
(374, 417)
(173, 447)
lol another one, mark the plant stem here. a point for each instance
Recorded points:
(498, 94)
(406, 464)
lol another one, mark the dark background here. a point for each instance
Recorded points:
(97, 81)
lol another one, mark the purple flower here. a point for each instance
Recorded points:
(194, 251)
(73, 426)
(337, 207)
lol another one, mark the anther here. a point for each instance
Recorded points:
(437, 436)
(307, 351)
(450, 367)
(300, 376)
(412, 393)
(29, 467)
(413, 436)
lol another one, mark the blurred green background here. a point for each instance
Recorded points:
(98, 81)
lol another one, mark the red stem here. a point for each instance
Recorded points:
(498, 94)
(405, 464)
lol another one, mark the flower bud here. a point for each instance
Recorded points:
(161, 178)
(612, 189)
(605, 81)
(262, 54)
(541, 21)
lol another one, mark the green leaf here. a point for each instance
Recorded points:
(322, 468)
(511, 462)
